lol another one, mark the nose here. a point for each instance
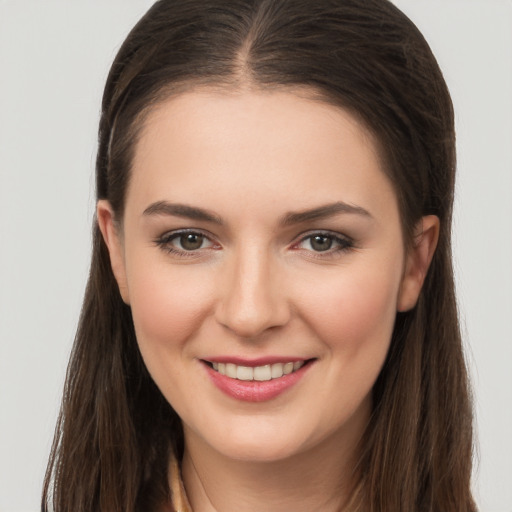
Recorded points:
(252, 298)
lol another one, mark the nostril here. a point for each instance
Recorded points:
(250, 298)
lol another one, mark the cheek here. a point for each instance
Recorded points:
(353, 316)
(167, 306)
(354, 311)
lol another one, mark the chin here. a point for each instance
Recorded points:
(263, 451)
(250, 444)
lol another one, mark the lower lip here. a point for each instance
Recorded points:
(253, 390)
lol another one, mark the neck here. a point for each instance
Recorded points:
(321, 478)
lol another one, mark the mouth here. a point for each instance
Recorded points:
(261, 373)
(256, 381)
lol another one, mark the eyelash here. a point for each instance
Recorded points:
(342, 243)
(164, 242)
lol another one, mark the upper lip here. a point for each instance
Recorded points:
(253, 362)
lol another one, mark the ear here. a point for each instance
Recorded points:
(110, 231)
(417, 261)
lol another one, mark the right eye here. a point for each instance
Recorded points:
(184, 242)
(189, 241)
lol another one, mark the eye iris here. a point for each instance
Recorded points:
(321, 243)
(191, 241)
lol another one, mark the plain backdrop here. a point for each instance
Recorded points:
(54, 58)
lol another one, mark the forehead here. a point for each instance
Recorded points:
(268, 145)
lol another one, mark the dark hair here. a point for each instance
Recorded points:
(116, 432)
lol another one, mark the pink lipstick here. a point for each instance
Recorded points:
(255, 380)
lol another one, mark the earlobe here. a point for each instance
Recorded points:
(111, 237)
(418, 261)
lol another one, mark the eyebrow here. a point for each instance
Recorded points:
(290, 218)
(323, 212)
(181, 210)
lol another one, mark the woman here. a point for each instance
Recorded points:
(270, 320)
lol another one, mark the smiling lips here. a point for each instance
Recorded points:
(258, 373)
(256, 383)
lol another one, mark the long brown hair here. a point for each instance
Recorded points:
(115, 432)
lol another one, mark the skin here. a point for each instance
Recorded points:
(257, 287)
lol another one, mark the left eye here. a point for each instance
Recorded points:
(323, 242)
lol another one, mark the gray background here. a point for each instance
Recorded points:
(54, 57)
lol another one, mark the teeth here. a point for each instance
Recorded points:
(231, 370)
(262, 372)
(244, 373)
(259, 373)
(277, 370)
(288, 368)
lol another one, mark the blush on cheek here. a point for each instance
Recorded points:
(354, 314)
(165, 321)
(166, 309)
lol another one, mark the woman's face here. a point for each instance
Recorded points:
(261, 237)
